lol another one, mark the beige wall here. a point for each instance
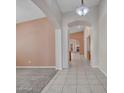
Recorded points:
(35, 43)
(80, 37)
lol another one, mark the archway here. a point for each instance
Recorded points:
(78, 30)
(90, 29)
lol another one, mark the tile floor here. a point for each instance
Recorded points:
(79, 78)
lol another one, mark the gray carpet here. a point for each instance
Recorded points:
(33, 80)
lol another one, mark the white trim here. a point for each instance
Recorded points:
(102, 71)
(35, 66)
(99, 69)
(65, 42)
(58, 68)
(58, 48)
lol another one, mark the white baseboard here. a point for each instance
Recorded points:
(58, 68)
(99, 69)
(102, 71)
(35, 66)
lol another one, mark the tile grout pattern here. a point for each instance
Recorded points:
(79, 78)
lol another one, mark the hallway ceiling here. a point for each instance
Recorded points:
(26, 10)
(76, 29)
(77, 26)
(70, 5)
(78, 23)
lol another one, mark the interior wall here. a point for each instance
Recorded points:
(80, 37)
(102, 37)
(35, 43)
(87, 33)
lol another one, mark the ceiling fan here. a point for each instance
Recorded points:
(82, 10)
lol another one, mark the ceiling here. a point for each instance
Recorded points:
(79, 23)
(26, 10)
(77, 26)
(70, 5)
(76, 29)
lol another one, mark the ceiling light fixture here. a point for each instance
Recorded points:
(82, 10)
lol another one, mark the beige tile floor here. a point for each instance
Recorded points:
(79, 78)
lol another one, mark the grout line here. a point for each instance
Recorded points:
(86, 76)
(88, 83)
(64, 82)
(53, 80)
(81, 63)
(100, 82)
(76, 79)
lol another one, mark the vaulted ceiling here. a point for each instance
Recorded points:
(70, 5)
(26, 10)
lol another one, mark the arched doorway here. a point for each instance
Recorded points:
(80, 31)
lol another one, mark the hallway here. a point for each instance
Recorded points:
(47, 30)
(79, 78)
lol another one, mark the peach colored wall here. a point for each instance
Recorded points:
(80, 37)
(35, 43)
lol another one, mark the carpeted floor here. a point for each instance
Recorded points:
(33, 80)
